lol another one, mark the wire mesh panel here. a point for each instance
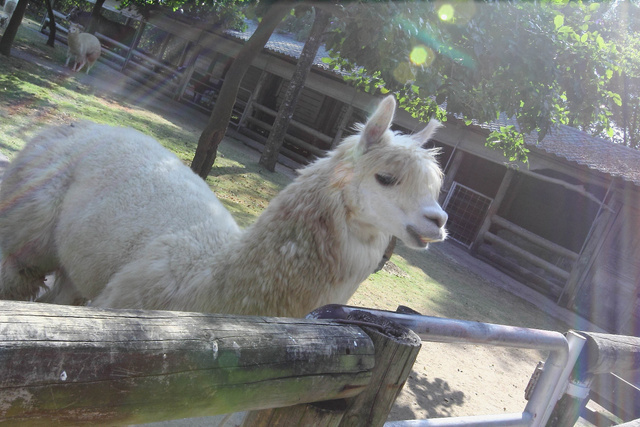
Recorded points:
(466, 209)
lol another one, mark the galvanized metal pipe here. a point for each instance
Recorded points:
(438, 329)
(575, 342)
(501, 420)
(435, 329)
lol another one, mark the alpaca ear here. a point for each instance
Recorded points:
(427, 133)
(378, 124)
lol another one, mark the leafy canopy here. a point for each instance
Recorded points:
(542, 63)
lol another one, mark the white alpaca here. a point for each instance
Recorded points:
(124, 223)
(84, 47)
(7, 12)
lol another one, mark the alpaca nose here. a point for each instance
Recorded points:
(437, 216)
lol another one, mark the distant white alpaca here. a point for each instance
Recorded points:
(84, 47)
(10, 6)
(7, 12)
(124, 223)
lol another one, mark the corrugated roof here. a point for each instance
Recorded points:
(282, 43)
(577, 146)
(595, 153)
(563, 141)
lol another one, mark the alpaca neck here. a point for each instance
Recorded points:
(306, 246)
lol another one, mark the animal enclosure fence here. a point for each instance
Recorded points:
(466, 209)
(123, 366)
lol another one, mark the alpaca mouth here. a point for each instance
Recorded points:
(420, 240)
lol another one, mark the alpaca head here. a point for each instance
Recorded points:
(75, 28)
(390, 182)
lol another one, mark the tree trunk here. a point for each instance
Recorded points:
(12, 29)
(52, 24)
(95, 17)
(217, 126)
(285, 112)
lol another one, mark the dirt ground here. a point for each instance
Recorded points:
(447, 379)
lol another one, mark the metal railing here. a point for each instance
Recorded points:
(563, 352)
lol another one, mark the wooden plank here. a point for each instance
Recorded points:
(295, 141)
(450, 174)
(342, 126)
(493, 209)
(633, 423)
(534, 238)
(303, 127)
(86, 365)
(538, 283)
(617, 396)
(579, 277)
(547, 266)
(611, 353)
(322, 414)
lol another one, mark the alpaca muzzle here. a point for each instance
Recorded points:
(422, 240)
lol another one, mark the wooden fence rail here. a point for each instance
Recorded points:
(551, 285)
(88, 365)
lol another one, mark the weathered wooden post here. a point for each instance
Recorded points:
(396, 349)
(134, 45)
(602, 354)
(81, 365)
(493, 209)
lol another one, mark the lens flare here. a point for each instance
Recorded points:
(446, 12)
(404, 73)
(421, 55)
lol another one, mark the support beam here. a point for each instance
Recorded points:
(592, 248)
(450, 174)
(493, 209)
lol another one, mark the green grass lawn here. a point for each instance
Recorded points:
(44, 93)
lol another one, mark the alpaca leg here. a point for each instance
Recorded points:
(81, 65)
(63, 291)
(20, 281)
(69, 56)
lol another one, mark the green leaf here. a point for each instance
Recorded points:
(584, 37)
(617, 99)
(609, 74)
(558, 21)
(326, 60)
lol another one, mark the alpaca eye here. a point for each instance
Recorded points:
(386, 180)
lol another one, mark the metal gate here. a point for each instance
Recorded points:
(466, 209)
